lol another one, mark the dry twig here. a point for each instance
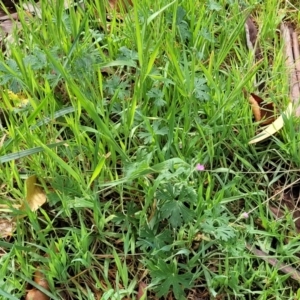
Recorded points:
(290, 63)
(296, 52)
(275, 262)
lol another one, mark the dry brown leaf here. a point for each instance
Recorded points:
(7, 37)
(255, 108)
(35, 196)
(142, 293)
(7, 227)
(290, 61)
(36, 294)
(251, 33)
(13, 16)
(7, 27)
(262, 111)
(251, 38)
(33, 9)
(274, 127)
(40, 279)
(119, 4)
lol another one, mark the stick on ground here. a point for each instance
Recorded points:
(290, 63)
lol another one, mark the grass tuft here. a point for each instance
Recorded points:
(137, 127)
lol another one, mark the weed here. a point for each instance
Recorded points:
(138, 131)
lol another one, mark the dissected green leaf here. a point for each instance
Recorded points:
(176, 199)
(149, 239)
(201, 89)
(219, 228)
(213, 5)
(169, 278)
(176, 212)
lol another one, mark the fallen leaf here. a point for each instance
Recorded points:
(36, 294)
(274, 127)
(142, 293)
(7, 227)
(40, 279)
(251, 38)
(4, 16)
(35, 196)
(7, 37)
(251, 33)
(7, 27)
(119, 4)
(33, 9)
(255, 108)
(290, 61)
(262, 111)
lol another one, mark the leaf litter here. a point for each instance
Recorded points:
(290, 194)
(34, 293)
(35, 195)
(291, 53)
(7, 227)
(36, 198)
(263, 112)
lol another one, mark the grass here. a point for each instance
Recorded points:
(119, 114)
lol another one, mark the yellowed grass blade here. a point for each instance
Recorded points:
(272, 128)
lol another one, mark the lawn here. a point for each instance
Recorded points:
(126, 169)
